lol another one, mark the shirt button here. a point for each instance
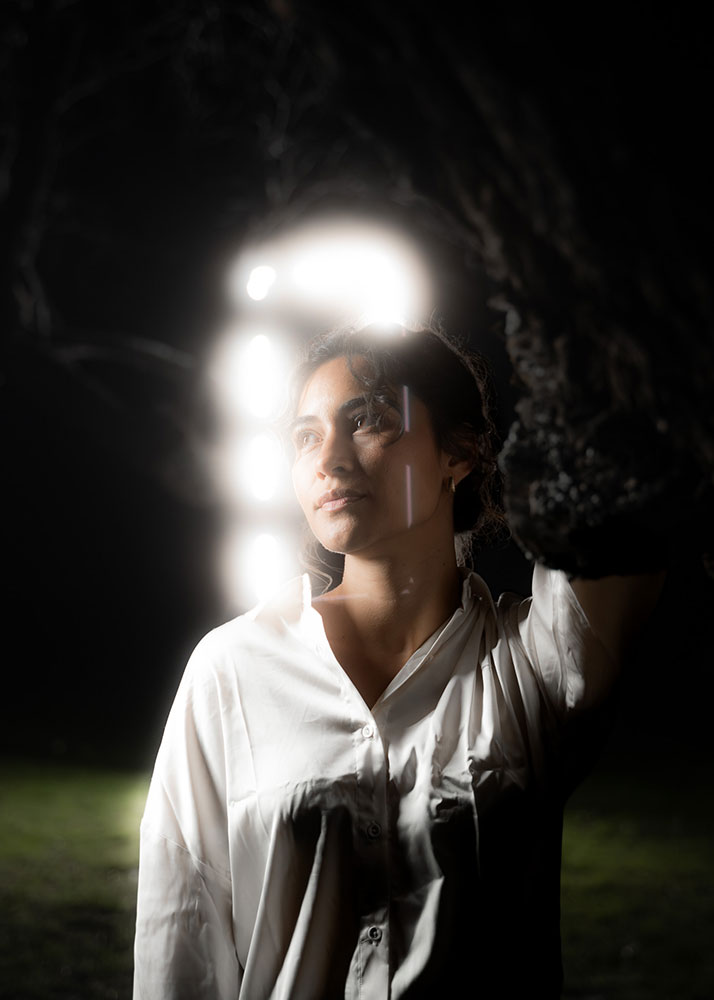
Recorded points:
(368, 731)
(374, 830)
(374, 934)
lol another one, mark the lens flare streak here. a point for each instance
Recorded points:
(408, 485)
(405, 407)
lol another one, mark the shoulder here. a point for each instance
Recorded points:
(227, 674)
(258, 629)
(552, 603)
(549, 634)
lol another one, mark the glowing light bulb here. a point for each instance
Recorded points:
(250, 375)
(260, 281)
(260, 378)
(370, 276)
(255, 566)
(261, 466)
(261, 559)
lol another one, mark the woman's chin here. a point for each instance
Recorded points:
(342, 543)
(338, 546)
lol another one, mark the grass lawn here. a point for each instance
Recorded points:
(638, 897)
(68, 857)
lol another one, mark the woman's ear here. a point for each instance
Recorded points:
(459, 468)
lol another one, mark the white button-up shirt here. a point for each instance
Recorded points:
(296, 844)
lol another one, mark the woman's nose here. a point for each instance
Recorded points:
(335, 455)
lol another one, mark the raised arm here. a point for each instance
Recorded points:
(617, 607)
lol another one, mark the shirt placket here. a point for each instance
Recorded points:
(372, 849)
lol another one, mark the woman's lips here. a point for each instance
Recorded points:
(338, 499)
(339, 504)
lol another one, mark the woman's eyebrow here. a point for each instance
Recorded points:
(310, 418)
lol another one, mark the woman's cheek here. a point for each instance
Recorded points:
(300, 477)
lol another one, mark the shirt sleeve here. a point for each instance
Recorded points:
(573, 669)
(184, 948)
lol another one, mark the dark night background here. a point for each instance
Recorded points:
(555, 171)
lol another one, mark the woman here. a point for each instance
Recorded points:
(359, 793)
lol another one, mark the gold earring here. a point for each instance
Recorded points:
(452, 485)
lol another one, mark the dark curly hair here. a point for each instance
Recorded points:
(454, 384)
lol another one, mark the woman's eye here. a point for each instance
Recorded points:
(304, 439)
(383, 422)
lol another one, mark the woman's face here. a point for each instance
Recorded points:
(364, 491)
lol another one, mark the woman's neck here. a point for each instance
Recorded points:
(392, 605)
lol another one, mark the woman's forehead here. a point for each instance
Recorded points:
(333, 388)
(333, 381)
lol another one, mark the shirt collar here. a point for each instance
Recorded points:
(300, 617)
